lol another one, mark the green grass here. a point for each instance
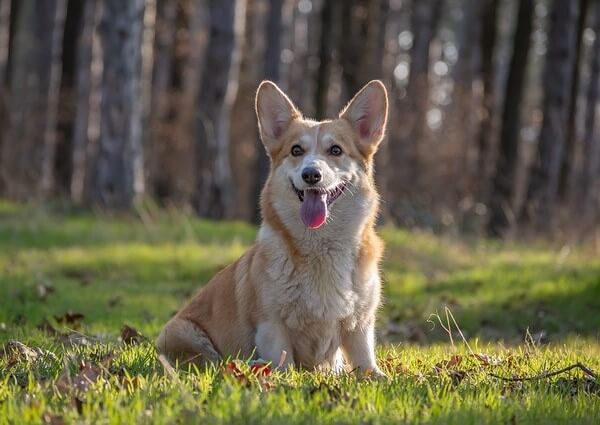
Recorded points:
(127, 270)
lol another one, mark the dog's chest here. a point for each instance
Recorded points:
(319, 290)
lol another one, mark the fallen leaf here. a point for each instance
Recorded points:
(87, 376)
(49, 418)
(451, 363)
(486, 359)
(70, 318)
(260, 368)
(16, 351)
(131, 336)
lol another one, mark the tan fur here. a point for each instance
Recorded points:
(312, 293)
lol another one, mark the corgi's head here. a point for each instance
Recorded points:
(320, 168)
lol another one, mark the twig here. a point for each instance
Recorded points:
(589, 372)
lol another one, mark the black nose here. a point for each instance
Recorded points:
(311, 175)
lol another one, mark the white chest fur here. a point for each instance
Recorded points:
(314, 297)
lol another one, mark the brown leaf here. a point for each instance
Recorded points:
(49, 418)
(87, 376)
(131, 336)
(457, 376)
(486, 359)
(16, 352)
(449, 364)
(394, 365)
(70, 318)
(260, 368)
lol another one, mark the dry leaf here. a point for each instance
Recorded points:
(16, 352)
(486, 359)
(131, 336)
(87, 376)
(49, 418)
(449, 364)
(70, 318)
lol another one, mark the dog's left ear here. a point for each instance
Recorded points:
(367, 113)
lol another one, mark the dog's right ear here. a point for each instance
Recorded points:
(275, 111)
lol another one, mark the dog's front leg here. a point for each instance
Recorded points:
(272, 340)
(358, 346)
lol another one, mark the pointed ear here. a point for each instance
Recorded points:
(274, 111)
(367, 113)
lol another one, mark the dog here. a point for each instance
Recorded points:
(306, 294)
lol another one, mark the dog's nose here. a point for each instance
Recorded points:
(311, 175)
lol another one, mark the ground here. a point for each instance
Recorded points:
(70, 282)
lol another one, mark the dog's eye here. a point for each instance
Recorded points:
(335, 150)
(297, 150)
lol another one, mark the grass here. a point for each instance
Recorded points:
(137, 271)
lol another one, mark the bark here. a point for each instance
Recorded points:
(4, 43)
(503, 182)
(4, 39)
(591, 138)
(568, 160)
(217, 92)
(403, 146)
(29, 142)
(273, 72)
(160, 182)
(147, 66)
(245, 142)
(118, 171)
(87, 95)
(558, 72)
(463, 115)
(328, 29)
(486, 130)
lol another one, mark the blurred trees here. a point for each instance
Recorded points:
(494, 103)
(29, 137)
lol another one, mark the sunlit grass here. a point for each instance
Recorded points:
(138, 271)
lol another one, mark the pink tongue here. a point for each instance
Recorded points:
(314, 209)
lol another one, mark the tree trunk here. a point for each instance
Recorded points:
(486, 130)
(272, 71)
(591, 138)
(503, 182)
(4, 39)
(159, 180)
(118, 170)
(403, 145)
(571, 139)
(463, 113)
(558, 72)
(147, 66)
(87, 101)
(4, 43)
(29, 142)
(217, 92)
(245, 141)
(329, 27)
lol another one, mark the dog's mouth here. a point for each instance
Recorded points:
(316, 202)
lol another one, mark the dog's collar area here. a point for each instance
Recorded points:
(332, 194)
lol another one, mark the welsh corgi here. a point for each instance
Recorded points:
(306, 293)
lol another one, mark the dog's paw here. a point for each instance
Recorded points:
(371, 373)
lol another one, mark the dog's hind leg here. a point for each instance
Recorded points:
(186, 343)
